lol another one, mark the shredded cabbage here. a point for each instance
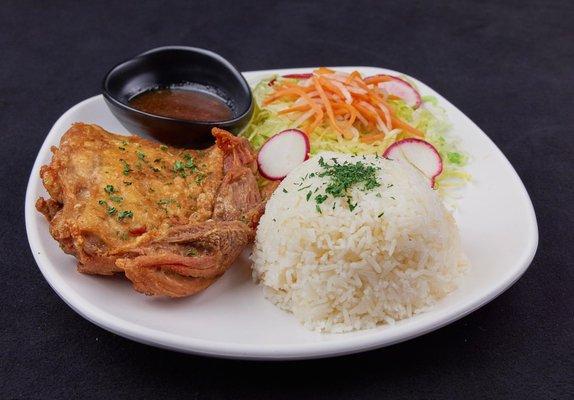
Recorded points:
(429, 118)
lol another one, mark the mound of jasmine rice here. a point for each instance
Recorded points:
(350, 242)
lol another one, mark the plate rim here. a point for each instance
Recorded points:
(225, 349)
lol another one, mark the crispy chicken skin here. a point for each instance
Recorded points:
(173, 220)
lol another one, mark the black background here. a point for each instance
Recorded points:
(508, 65)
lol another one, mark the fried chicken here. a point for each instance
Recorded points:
(172, 220)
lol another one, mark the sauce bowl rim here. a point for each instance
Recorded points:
(108, 96)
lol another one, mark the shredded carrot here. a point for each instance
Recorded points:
(327, 105)
(290, 85)
(406, 127)
(326, 84)
(352, 76)
(361, 83)
(359, 96)
(377, 79)
(372, 138)
(315, 107)
(343, 101)
(368, 114)
(352, 112)
(302, 107)
(277, 95)
(324, 70)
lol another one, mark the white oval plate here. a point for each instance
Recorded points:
(233, 319)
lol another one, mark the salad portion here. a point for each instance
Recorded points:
(355, 114)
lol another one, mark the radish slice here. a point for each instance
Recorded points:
(401, 88)
(283, 152)
(298, 76)
(420, 154)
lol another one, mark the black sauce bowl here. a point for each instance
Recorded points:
(174, 66)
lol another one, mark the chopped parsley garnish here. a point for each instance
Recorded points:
(303, 188)
(163, 147)
(125, 214)
(140, 154)
(285, 190)
(179, 168)
(110, 190)
(351, 205)
(163, 204)
(126, 167)
(343, 177)
(320, 198)
(189, 163)
(192, 251)
(109, 209)
(199, 178)
(318, 209)
(309, 195)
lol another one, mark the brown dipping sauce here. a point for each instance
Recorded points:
(191, 105)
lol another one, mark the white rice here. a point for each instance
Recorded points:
(341, 270)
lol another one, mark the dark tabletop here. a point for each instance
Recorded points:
(508, 65)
